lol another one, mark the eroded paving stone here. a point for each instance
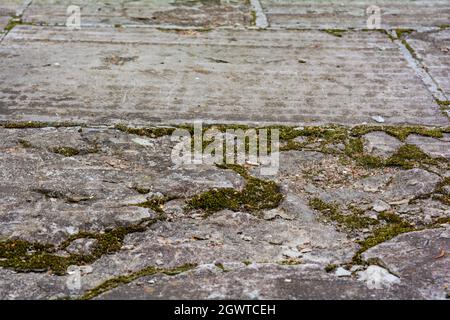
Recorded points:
(146, 75)
(343, 14)
(263, 281)
(190, 13)
(420, 258)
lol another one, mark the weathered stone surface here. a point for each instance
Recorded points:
(173, 77)
(143, 13)
(82, 246)
(420, 258)
(47, 196)
(433, 147)
(433, 50)
(343, 14)
(380, 144)
(263, 281)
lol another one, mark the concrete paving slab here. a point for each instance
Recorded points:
(433, 50)
(144, 12)
(345, 14)
(105, 75)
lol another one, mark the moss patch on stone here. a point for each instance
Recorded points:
(335, 32)
(151, 132)
(380, 235)
(258, 194)
(124, 279)
(442, 191)
(399, 132)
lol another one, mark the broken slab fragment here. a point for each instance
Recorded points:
(418, 258)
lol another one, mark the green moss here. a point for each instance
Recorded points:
(410, 49)
(408, 156)
(390, 217)
(141, 190)
(257, 195)
(66, 151)
(401, 32)
(23, 256)
(221, 267)
(442, 192)
(13, 22)
(354, 221)
(399, 132)
(152, 132)
(156, 203)
(124, 279)
(334, 32)
(25, 143)
(290, 262)
(37, 124)
(330, 268)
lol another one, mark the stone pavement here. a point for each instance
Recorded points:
(92, 205)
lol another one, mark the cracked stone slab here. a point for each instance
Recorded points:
(46, 196)
(257, 281)
(9, 9)
(166, 13)
(103, 75)
(433, 50)
(381, 144)
(343, 14)
(420, 258)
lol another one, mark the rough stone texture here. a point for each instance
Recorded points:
(433, 50)
(343, 14)
(147, 75)
(434, 147)
(419, 257)
(381, 144)
(93, 190)
(180, 13)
